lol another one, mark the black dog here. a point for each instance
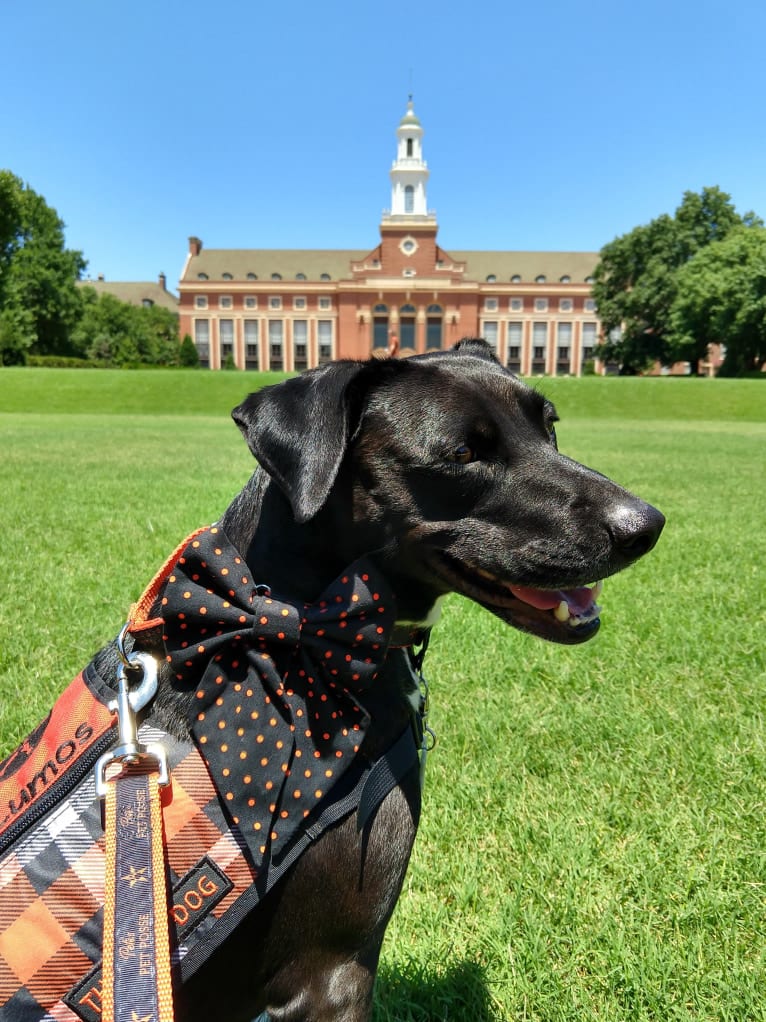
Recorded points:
(443, 470)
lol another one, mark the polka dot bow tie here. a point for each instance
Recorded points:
(278, 714)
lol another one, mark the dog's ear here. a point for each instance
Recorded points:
(476, 346)
(298, 431)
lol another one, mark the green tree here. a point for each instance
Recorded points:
(636, 280)
(721, 298)
(118, 333)
(39, 300)
(188, 354)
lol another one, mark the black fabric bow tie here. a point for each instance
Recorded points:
(278, 715)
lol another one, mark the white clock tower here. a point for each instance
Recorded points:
(409, 174)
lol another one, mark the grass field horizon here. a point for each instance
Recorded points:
(593, 840)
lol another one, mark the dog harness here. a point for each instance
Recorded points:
(277, 724)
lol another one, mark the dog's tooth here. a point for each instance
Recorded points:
(486, 574)
(561, 613)
(597, 589)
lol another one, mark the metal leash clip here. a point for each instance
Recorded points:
(127, 704)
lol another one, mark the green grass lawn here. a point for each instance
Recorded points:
(593, 843)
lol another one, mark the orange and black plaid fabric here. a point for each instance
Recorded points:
(52, 874)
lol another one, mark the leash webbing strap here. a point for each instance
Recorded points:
(136, 963)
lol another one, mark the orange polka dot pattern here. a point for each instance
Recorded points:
(279, 684)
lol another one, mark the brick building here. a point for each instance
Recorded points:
(295, 309)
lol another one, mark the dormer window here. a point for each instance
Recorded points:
(516, 278)
(226, 276)
(276, 276)
(540, 278)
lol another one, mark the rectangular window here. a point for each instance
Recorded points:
(200, 301)
(515, 333)
(300, 344)
(490, 304)
(565, 305)
(324, 338)
(589, 305)
(275, 302)
(589, 338)
(325, 304)
(433, 333)
(407, 333)
(225, 302)
(251, 344)
(299, 303)
(541, 304)
(380, 332)
(539, 344)
(202, 340)
(516, 305)
(251, 302)
(276, 334)
(489, 333)
(226, 337)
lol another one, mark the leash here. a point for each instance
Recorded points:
(136, 959)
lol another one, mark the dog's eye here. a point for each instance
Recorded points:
(463, 455)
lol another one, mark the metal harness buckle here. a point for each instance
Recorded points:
(127, 704)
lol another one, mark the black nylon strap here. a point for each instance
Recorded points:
(385, 774)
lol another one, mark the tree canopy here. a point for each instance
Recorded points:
(636, 282)
(116, 333)
(39, 300)
(721, 298)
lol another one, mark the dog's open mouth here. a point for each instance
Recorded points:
(567, 615)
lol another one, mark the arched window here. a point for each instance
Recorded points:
(409, 199)
(491, 278)
(202, 276)
(276, 276)
(380, 326)
(516, 278)
(566, 279)
(540, 278)
(252, 276)
(433, 327)
(407, 327)
(324, 276)
(226, 276)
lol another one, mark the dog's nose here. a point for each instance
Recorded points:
(634, 527)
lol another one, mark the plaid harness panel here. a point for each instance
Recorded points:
(52, 874)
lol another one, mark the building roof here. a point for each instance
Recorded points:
(527, 265)
(135, 292)
(264, 263)
(336, 263)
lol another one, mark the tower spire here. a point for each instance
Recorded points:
(409, 173)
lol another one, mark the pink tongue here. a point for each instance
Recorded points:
(578, 600)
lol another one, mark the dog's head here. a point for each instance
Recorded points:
(448, 471)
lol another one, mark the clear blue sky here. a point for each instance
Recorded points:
(256, 125)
